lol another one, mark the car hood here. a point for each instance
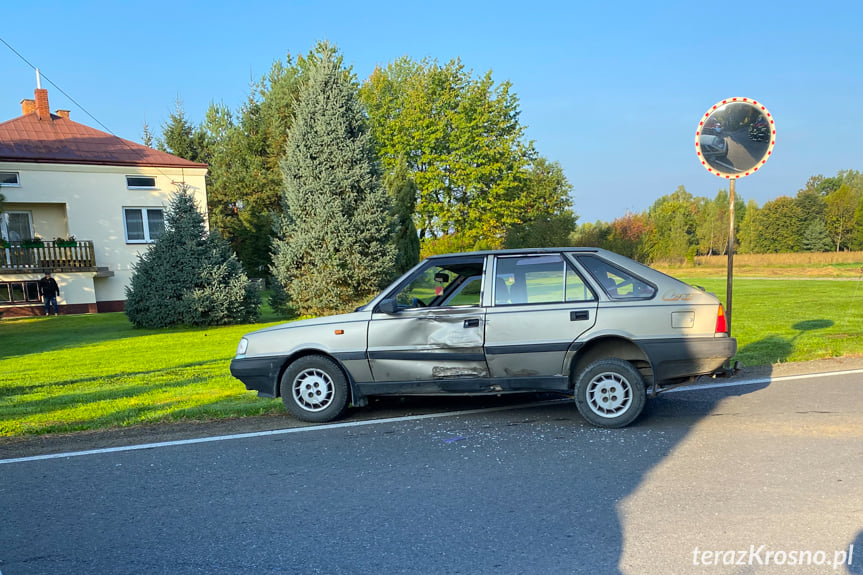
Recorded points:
(316, 321)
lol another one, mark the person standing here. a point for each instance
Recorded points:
(49, 290)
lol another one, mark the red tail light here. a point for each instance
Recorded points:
(721, 325)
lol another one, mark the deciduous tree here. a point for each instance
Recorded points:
(777, 227)
(839, 215)
(464, 146)
(673, 219)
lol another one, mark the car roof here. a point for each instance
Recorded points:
(518, 251)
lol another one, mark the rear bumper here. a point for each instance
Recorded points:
(685, 357)
(259, 374)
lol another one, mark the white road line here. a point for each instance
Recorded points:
(757, 381)
(694, 387)
(275, 432)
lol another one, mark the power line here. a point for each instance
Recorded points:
(59, 89)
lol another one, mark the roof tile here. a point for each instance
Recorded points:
(60, 140)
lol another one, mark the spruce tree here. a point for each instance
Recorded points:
(334, 248)
(403, 193)
(181, 138)
(816, 238)
(189, 276)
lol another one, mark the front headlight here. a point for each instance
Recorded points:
(242, 346)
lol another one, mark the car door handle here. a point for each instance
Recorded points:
(579, 315)
(471, 323)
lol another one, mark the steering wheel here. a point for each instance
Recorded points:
(417, 302)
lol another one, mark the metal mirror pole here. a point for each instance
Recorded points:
(730, 274)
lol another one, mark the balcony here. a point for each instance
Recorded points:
(18, 257)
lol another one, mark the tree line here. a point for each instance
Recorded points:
(332, 185)
(825, 215)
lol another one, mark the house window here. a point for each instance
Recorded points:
(16, 226)
(143, 225)
(141, 182)
(9, 179)
(18, 292)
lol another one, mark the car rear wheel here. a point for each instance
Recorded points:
(315, 389)
(610, 393)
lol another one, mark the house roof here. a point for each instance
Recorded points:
(62, 141)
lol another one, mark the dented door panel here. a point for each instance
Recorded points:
(427, 344)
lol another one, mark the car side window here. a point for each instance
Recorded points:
(617, 283)
(537, 279)
(446, 284)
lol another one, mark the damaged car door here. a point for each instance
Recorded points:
(428, 334)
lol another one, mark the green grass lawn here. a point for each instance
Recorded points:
(793, 320)
(73, 373)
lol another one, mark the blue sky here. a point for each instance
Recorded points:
(613, 91)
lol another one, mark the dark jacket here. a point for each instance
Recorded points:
(48, 287)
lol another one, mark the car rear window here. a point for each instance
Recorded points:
(615, 282)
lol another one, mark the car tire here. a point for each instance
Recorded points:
(315, 389)
(610, 393)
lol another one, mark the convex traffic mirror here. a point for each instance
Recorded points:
(735, 138)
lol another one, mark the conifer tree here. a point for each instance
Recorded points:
(189, 276)
(403, 193)
(335, 243)
(816, 238)
(181, 138)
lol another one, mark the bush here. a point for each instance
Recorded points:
(188, 276)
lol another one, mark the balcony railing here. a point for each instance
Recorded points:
(27, 257)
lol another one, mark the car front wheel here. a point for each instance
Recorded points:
(315, 389)
(610, 393)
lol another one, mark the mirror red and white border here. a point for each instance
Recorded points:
(727, 169)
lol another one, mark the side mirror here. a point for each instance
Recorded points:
(387, 306)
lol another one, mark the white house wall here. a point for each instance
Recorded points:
(76, 289)
(90, 200)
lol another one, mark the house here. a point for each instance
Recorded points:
(66, 181)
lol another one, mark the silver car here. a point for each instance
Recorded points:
(583, 322)
(714, 146)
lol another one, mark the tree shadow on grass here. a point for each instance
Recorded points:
(39, 335)
(177, 405)
(776, 348)
(10, 390)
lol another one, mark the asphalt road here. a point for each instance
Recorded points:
(764, 472)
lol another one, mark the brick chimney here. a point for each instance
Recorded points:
(28, 107)
(42, 110)
(63, 113)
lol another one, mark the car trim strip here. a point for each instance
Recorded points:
(470, 386)
(425, 356)
(350, 355)
(528, 348)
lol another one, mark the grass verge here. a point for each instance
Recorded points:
(70, 373)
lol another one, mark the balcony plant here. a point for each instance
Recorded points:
(67, 242)
(34, 242)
